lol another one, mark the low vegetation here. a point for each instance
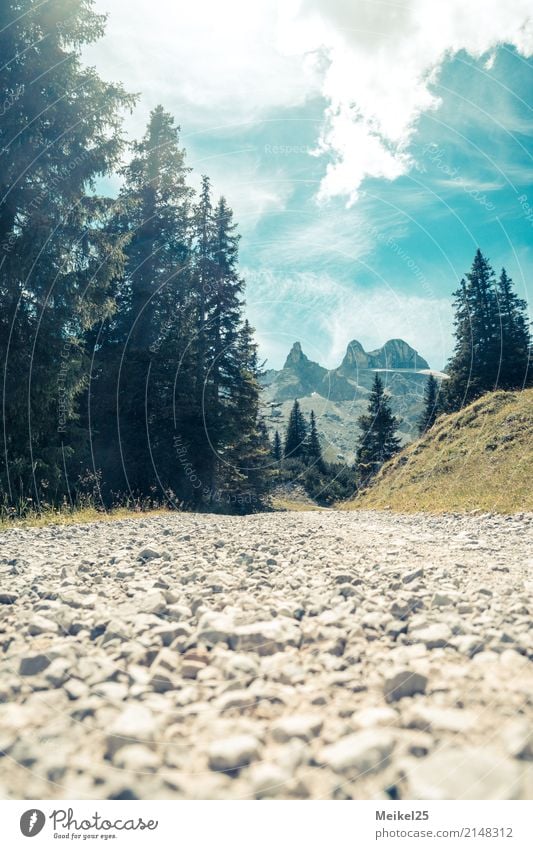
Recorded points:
(73, 516)
(480, 458)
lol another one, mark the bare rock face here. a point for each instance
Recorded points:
(396, 354)
(313, 655)
(355, 358)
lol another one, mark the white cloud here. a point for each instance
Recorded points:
(211, 59)
(383, 57)
(373, 61)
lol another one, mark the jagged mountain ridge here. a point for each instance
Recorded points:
(338, 396)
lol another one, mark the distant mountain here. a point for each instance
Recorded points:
(338, 396)
(395, 354)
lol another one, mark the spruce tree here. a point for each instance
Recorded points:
(243, 473)
(515, 337)
(230, 350)
(58, 257)
(139, 352)
(295, 437)
(313, 451)
(431, 405)
(277, 449)
(378, 441)
(474, 367)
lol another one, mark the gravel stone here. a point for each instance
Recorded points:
(464, 773)
(313, 655)
(134, 725)
(403, 684)
(233, 753)
(34, 664)
(363, 752)
(303, 727)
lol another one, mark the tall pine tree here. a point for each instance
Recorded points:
(515, 337)
(58, 257)
(277, 448)
(474, 367)
(231, 353)
(140, 349)
(378, 441)
(295, 437)
(244, 465)
(431, 405)
(313, 451)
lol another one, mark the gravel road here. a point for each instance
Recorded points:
(294, 655)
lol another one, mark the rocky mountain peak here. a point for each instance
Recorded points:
(396, 354)
(355, 357)
(295, 356)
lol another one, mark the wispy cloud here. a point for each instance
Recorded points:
(328, 314)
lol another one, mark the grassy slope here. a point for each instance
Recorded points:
(77, 517)
(478, 459)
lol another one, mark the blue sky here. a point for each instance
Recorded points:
(367, 150)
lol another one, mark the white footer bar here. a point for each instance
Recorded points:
(267, 825)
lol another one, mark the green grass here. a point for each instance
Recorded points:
(480, 458)
(76, 517)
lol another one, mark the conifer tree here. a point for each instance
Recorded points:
(277, 448)
(378, 441)
(515, 337)
(243, 474)
(58, 257)
(313, 451)
(203, 275)
(230, 350)
(296, 434)
(140, 350)
(431, 405)
(474, 367)
(121, 318)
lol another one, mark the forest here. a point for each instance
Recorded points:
(130, 374)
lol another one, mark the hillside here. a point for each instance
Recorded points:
(338, 396)
(480, 458)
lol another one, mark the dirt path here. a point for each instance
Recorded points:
(298, 655)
